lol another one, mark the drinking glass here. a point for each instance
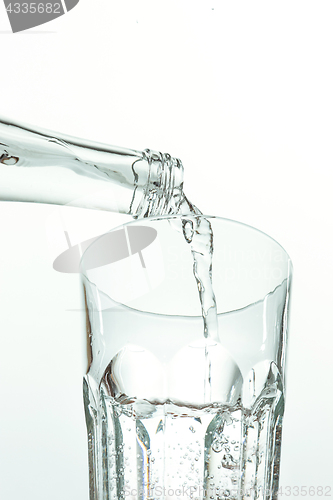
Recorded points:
(185, 400)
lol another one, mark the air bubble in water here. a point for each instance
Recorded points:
(228, 461)
(217, 446)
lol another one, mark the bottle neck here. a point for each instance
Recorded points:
(164, 187)
(45, 167)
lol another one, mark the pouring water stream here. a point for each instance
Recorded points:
(40, 166)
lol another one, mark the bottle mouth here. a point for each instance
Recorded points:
(163, 191)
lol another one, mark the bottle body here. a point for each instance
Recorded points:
(45, 167)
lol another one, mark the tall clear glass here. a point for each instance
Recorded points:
(174, 411)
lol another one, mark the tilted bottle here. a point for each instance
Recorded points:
(40, 166)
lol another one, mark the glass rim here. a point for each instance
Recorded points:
(182, 216)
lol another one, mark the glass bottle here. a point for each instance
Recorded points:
(40, 166)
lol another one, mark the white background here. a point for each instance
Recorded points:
(241, 91)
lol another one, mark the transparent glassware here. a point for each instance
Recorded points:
(40, 166)
(170, 410)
